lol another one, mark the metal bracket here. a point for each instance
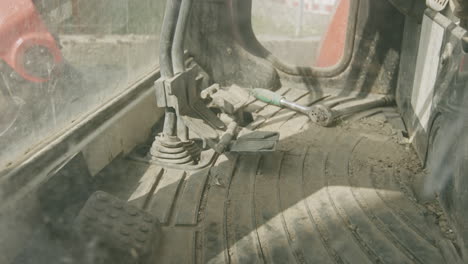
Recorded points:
(182, 93)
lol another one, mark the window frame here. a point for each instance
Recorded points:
(241, 12)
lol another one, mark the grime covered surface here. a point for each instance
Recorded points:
(327, 195)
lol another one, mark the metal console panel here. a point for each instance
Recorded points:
(182, 93)
(420, 69)
(433, 99)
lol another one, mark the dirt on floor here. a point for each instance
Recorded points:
(409, 161)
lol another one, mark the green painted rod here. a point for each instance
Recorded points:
(267, 96)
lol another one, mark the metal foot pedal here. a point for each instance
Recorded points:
(256, 141)
(112, 231)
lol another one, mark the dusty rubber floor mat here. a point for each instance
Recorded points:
(110, 230)
(326, 195)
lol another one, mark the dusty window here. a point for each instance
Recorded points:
(62, 59)
(302, 32)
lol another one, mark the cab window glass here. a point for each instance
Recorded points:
(62, 59)
(302, 32)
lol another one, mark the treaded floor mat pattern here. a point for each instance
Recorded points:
(328, 195)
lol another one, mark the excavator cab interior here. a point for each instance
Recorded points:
(233, 131)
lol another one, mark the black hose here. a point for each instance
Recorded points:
(171, 14)
(179, 37)
(178, 55)
(171, 56)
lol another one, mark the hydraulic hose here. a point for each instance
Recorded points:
(178, 56)
(171, 14)
(179, 37)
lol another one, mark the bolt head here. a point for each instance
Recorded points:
(321, 115)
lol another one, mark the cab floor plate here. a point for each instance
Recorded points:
(327, 195)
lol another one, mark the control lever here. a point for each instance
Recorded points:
(273, 98)
(320, 114)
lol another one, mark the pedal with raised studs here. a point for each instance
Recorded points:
(112, 231)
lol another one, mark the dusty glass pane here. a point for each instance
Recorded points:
(302, 32)
(62, 59)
